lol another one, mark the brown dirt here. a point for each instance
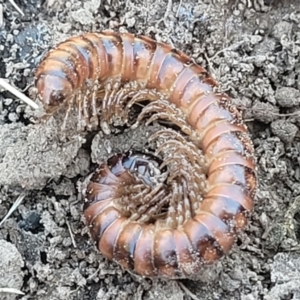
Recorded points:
(251, 47)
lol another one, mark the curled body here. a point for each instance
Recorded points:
(170, 213)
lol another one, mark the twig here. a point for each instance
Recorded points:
(179, 6)
(211, 68)
(17, 93)
(187, 291)
(293, 114)
(71, 234)
(95, 273)
(12, 2)
(14, 207)
(166, 14)
(231, 47)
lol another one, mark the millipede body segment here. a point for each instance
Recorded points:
(168, 213)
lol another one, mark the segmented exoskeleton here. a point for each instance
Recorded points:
(153, 218)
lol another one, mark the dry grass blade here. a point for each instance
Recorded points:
(187, 291)
(17, 93)
(11, 291)
(1, 15)
(71, 234)
(13, 208)
(12, 2)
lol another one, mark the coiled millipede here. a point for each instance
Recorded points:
(155, 219)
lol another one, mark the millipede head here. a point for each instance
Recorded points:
(145, 167)
(53, 90)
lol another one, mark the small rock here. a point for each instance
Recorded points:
(287, 97)
(282, 28)
(285, 130)
(264, 112)
(11, 275)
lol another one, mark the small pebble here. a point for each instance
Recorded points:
(285, 130)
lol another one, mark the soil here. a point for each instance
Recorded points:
(252, 47)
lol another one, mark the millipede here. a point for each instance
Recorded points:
(168, 212)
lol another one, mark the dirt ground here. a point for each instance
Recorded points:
(252, 47)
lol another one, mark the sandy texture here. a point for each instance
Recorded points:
(251, 47)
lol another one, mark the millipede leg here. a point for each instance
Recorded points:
(69, 109)
(94, 119)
